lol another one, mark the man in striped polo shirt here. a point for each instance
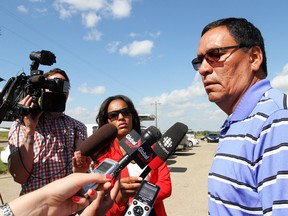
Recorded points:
(249, 174)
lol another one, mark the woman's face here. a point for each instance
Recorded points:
(120, 116)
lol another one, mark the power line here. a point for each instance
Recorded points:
(111, 77)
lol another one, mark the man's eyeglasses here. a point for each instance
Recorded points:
(213, 57)
(125, 112)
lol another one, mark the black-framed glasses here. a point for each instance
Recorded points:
(125, 112)
(213, 57)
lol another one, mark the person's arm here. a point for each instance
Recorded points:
(21, 160)
(163, 181)
(58, 197)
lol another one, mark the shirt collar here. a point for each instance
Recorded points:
(248, 101)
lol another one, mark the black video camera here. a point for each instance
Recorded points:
(47, 94)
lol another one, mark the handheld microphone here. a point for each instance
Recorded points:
(108, 166)
(100, 139)
(138, 148)
(166, 146)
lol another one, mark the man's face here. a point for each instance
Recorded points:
(226, 82)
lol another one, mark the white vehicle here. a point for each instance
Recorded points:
(191, 140)
(91, 128)
(6, 150)
(183, 144)
(5, 154)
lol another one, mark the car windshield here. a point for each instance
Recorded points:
(213, 135)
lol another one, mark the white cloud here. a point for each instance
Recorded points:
(155, 35)
(280, 81)
(117, 9)
(93, 35)
(188, 105)
(92, 12)
(121, 8)
(82, 114)
(22, 9)
(133, 34)
(80, 5)
(90, 19)
(41, 10)
(113, 46)
(91, 90)
(36, 0)
(137, 48)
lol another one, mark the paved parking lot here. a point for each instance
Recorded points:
(189, 171)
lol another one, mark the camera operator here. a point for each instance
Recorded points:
(42, 143)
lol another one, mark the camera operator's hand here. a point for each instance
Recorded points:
(20, 167)
(31, 120)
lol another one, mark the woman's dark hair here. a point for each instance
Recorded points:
(244, 33)
(102, 117)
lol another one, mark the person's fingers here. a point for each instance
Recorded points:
(80, 200)
(92, 194)
(95, 205)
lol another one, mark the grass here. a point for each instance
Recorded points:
(3, 167)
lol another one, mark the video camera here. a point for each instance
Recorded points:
(47, 94)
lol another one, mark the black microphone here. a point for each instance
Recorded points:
(166, 146)
(100, 139)
(138, 148)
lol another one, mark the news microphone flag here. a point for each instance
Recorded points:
(166, 146)
(138, 148)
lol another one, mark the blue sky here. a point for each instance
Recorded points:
(140, 48)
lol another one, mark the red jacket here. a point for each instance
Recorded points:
(160, 177)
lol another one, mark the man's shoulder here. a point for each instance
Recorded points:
(71, 119)
(276, 98)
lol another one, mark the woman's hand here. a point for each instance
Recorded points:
(80, 162)
(58, 197)
(128, 188)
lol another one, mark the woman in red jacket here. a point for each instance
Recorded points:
(120, 111)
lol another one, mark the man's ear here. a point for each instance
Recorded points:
(256, 58)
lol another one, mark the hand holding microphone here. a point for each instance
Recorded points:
(133, 140)
(95, 143)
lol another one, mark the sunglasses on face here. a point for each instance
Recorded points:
(125, 112)
(213, 57)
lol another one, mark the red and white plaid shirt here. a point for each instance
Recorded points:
(54, 145)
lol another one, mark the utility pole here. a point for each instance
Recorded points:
(156, 115)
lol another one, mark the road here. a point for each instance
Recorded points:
(189, 170)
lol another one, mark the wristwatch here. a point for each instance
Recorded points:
(6, 210)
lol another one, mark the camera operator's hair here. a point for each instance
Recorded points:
(244, 33)
(56, 71)
(102, 117)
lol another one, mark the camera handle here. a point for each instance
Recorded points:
(7, 96)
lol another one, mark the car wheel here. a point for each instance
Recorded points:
(190, 144)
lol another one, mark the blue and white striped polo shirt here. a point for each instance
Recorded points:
(249, 175)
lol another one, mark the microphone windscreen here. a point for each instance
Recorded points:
(101, 138)
(152, 134)
(170, 140)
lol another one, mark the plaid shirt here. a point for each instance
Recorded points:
(54, 145)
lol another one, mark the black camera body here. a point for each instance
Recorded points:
(47, 94)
